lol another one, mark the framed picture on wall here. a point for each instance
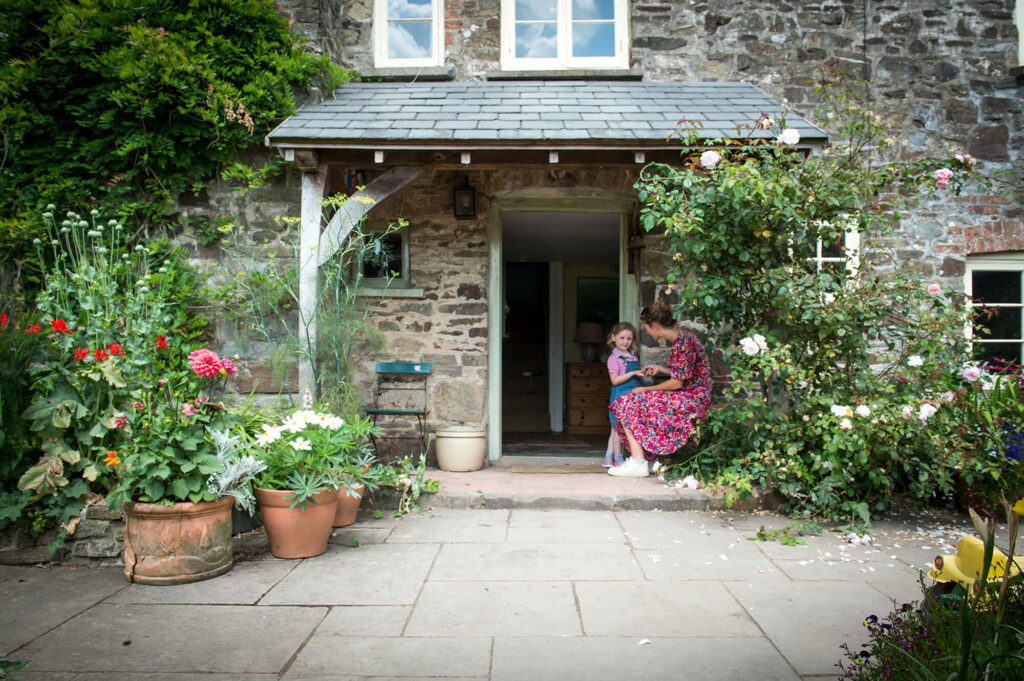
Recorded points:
(597, 300)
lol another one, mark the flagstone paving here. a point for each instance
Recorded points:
(496, 594)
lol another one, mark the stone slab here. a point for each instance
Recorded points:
(503, 500)
(615, 659)
(682, 564)
(450, 525)
(645, 609)
(37, 599)
(188, 676)
(683, 530)
(828, 570)
(343, 536)
(342, 657)
(901, 591)
(245, 583)
(495, 609)
(536, 561)
(378, 574)
(808, 621)
(531, 525)
(365, 620)
(175, 638)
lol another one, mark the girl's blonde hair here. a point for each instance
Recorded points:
(619, 328)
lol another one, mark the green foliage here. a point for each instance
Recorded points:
(130, 103)
(791, 535)
(8, 667)
(748, 225)
(408, 477)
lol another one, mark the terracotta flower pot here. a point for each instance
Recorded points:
(295, 533)
(348, 506)
(177, 544)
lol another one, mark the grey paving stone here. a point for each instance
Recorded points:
(647, 609)
(533, 525)
(333, 657)
(28, 675)
(855, 570)
(900, 591)
(808, 621)
(38, 599)
(495, 609)
(188, 676)
(538, 562)
(175, 638)
(380, 574)
(343, 536)
(365, 620)
(683, 564)
(689, 530)
(452, 525)
(579, 502)
(615, 659)
(245, 583)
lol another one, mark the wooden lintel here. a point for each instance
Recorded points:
(306, 159)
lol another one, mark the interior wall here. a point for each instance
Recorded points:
(571, 350)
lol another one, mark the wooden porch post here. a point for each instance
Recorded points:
(309, 246)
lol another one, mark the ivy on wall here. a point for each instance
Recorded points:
(128, 103)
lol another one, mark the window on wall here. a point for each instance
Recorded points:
(995, 286)
(386, 262)
(842, 251)
(408, 32)
(564, 34)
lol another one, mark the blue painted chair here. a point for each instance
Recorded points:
(396, 382)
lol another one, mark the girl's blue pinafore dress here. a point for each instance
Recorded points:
(624, 387)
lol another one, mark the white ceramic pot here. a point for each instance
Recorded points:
(461, 448)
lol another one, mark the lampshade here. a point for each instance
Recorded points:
(589, 332)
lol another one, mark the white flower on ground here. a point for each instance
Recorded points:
(270, 434)
(788, 136)
(907, 412)
(934, 289)
(750, 346)
(709, 159)
(970, 373)
(915, 361)
(841, 411)
(845, 424)
(863, 411)
(926, 412)
(301, 444)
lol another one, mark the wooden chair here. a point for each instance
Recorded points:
(397, 382)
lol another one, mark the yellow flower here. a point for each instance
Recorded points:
(1018, 508)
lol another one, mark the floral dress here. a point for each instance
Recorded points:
(662, 420)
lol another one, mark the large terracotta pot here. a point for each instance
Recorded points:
(294, 533)
(348, 506)
(177, 544)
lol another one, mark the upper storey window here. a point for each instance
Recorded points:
(408, 32)
(564, 34)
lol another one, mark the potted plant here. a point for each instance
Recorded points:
(178, 474)
(309, 456)
(360, 474)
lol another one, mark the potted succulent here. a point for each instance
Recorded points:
(178, 473)
(309, 456)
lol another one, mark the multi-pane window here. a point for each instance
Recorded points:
(995, 286)
(560, 34)
(408, 32)
(841, 252)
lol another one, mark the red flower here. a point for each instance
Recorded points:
(115, 349)
(81, 354)
(3, 319)
(59, 326)
(100, 354)
(32, 329)
(161, 342)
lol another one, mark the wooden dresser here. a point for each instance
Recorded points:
(587, 405)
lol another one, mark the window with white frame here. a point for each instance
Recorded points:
(842, 251)
(564, 34)
(994, 284)
(408, 33)
(386, 262)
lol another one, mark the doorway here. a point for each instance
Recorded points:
(560, 271)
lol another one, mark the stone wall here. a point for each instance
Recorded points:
(98, 540)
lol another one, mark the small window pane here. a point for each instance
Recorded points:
(536, 10)
(593, 9)
(833, 249)
(987, 352)
(388, 261)
(1003, 322)
(410, 40)
(536, 41)
(593, 40)
(996, 287)
(410, 9)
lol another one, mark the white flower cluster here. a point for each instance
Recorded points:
(789, 136)
(709, 159)
(841, 411)
(754, 345)
(296, 423)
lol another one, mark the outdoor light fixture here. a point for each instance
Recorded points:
(465, 201)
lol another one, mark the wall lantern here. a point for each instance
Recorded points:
(465, 202)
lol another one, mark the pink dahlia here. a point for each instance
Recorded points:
(205, 363)
(228, 367)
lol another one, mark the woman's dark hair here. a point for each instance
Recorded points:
(660, 313)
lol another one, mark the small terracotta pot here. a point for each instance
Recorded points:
(294, 533)
(177, 544)
(348, 506)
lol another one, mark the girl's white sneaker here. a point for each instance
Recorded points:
(632, 468)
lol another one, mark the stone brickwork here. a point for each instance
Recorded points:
(98, 540)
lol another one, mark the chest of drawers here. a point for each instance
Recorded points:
(587, 403)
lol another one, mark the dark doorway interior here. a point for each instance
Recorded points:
(524, 385)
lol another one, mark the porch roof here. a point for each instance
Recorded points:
(529, 114)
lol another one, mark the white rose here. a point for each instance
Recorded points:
(750, 346)
(762, 344)
(709, 159)
(845, 424)
(863, 411)
(926, 412)
(915, 361)
(788, 136)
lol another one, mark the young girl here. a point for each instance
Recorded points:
(624, 372)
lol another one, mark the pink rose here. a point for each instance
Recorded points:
(709, 159)
(187, 409)
(934, 289)
(942, 176)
